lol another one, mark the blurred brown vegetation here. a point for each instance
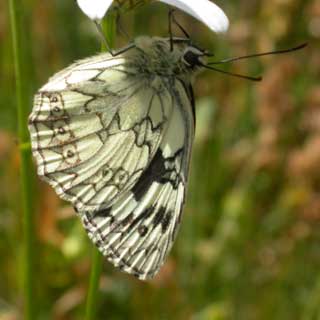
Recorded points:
(249, 246)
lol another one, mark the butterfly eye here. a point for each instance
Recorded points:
(191, 57)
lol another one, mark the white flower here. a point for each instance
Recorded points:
(94, 9)
(203, 10)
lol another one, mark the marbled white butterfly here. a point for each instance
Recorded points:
(113, 135)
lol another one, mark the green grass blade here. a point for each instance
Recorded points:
(22, 97)
(92, 298)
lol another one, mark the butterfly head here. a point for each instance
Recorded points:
(165, 56)
(193, 57)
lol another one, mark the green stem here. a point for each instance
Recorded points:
(97, 259)
(92, 298)
(26, 178)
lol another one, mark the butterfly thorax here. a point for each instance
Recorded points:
(155, 56)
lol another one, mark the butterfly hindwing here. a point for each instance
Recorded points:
(137, 232)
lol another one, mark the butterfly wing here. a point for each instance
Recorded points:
(117, 145)
(95, 127)
(138, 230)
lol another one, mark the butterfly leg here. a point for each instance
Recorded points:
(170, 14)
(103, 38)
(172, 19)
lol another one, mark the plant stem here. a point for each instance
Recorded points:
(26, 178)
(97, 259)
(92, 298)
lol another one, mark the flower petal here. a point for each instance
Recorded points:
(205, 11)
(94, 9)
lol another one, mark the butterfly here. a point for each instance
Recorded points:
(113, 134)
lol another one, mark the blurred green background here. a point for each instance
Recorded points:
(249, 244)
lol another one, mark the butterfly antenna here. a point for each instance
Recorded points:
(231, 73)
(299, 47)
